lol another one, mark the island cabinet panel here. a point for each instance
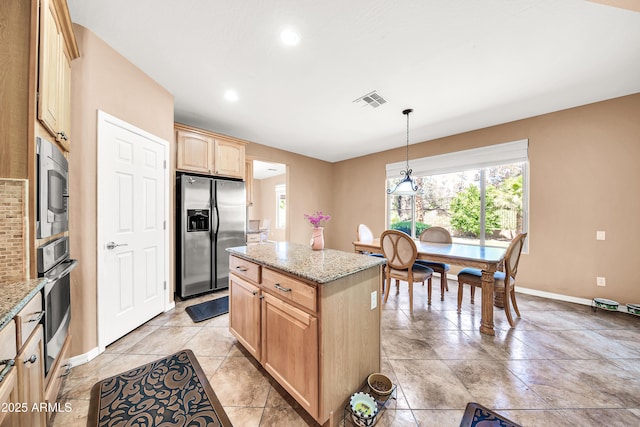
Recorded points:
(289, 289)
(30, 362)
(246, 269)
(244, 313)
(290, 350)
(9, 398)
(320, 320)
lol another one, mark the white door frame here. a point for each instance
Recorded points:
(103, 119)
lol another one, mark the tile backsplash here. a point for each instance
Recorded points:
(13, 230)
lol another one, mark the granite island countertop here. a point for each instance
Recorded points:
(15, 295)
(322, 266)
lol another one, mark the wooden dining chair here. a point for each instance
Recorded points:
(503, 281)
(437, 235)
(400, 251)
(366, 235)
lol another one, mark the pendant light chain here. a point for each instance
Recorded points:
(406, 186)
(407, 148)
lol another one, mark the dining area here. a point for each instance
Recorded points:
(491, 268)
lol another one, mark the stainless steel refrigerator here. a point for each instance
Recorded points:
(211, 216)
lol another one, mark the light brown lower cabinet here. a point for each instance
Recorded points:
(318, 341)
(30, 364)
(290, 350)
(9, 398)
(244, 312)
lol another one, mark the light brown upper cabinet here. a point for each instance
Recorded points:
(209, 153)
(57, 49)
(248, 179)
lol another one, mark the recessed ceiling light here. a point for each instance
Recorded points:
(289, 37)
(231, 95)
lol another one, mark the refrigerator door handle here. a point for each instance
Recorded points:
(217, 219)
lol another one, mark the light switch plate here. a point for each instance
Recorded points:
(601, 281)
(600, 235)
(374, 299)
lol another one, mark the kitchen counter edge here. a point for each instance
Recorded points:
(320, 267)
(16, 295)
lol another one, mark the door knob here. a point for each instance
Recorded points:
(113, 245)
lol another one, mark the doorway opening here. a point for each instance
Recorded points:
(270, 200)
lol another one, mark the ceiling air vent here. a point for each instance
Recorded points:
(371, 98)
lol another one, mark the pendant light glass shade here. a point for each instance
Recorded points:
(406, 187)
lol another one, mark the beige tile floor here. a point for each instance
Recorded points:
(561, 365)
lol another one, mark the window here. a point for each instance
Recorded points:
(281, 206)
(479, 195)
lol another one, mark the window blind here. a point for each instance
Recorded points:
(475, 158)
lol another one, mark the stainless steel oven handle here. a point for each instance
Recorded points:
(72, 264)
(38, 318)
(8, 365)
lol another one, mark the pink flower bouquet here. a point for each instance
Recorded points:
(316, 218)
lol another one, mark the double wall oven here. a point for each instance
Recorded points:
(55, 265)
(53, 257)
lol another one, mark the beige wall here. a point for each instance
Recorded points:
(102, 80)
(584, 177)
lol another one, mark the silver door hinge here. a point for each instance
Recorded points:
(165, 285)
(164, 224)
(165, 163)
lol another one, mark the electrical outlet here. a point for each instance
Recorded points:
(601, 281)
(600, 235)
(374, 299)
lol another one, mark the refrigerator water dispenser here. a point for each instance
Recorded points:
(197, 220)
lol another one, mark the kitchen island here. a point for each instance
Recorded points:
(310, 318)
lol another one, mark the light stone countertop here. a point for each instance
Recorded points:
(322, 266)
(15, 295)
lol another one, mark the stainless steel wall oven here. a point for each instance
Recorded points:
(52, 177)
(55, 265)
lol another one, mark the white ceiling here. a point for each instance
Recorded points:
(262, 170)
(460, 64)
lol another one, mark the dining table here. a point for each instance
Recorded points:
(488, 259)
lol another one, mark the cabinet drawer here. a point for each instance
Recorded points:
(28, 318)
(8, 348)
(289, 288)
(244, 268)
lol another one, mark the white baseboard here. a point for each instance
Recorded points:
(81, 359)
(170, 306)
(551, 295)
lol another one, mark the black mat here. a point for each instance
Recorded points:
(172, 391)
(208, 309)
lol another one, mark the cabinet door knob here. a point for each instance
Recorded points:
(32, 359)
(241, 268)
(62, 136)
(254, 293)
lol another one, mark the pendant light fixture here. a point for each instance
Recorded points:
(406, 186)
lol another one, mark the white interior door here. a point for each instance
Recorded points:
(132, 236)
